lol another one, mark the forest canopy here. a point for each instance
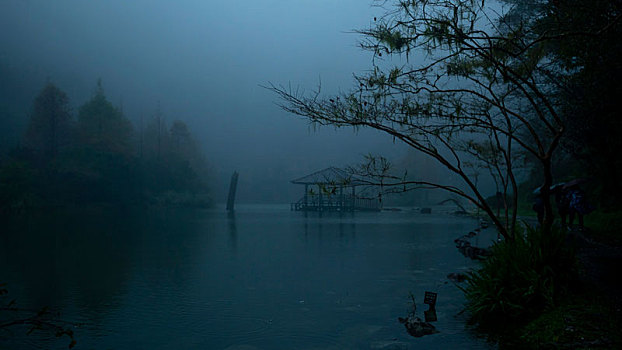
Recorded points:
(99, 156)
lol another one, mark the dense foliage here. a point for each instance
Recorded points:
(521, 278)
(100, 158)
(592, 100)
(584, 49)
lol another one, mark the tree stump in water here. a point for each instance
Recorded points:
(417, 327)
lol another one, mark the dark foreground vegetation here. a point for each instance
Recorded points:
(12, 316)
(520, 279)
(99, 157)
(548, 291)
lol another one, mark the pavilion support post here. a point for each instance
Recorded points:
(306, 201)
(319, 191)
(341, 206)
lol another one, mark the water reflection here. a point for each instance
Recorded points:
(70, 261)
(233, 232)
(189, 279)
(330, 227)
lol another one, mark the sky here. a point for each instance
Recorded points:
(204, 62)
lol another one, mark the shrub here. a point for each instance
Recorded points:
(521, 278)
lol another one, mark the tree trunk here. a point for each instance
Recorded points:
(545, 192)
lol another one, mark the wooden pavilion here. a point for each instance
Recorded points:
(332, 189)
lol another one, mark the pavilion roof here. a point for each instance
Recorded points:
(329, 176)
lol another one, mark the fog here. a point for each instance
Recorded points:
(202, 62)
(122, 122)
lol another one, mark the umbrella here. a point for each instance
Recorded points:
(575, 182)
(552, 189)
(557, 187)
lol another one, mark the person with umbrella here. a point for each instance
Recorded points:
(562, 201)
(577, 201)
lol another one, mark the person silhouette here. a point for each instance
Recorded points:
(563, 203)
(577, 205)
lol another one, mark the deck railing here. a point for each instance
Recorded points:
(314, 202)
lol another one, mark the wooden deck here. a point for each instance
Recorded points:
(337, 203)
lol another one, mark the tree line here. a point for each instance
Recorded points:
(100, 156)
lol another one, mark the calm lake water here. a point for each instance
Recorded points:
(265, 278)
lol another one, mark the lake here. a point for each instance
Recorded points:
(263, 278)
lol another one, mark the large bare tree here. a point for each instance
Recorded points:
(461, 83)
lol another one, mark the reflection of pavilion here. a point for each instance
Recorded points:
(332, 189)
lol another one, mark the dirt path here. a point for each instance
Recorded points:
(600, 265)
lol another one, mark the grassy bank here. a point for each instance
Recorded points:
(605, 227)
(589, 315)
(557, 291)
(583, 319)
